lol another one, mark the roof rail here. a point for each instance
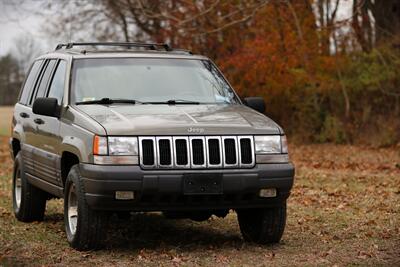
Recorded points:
(183, 51)
(151, 46)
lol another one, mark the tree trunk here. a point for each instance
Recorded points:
(387, 18)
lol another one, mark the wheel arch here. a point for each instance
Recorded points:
(68, 159)
(15, 146)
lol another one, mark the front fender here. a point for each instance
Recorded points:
(75, 146)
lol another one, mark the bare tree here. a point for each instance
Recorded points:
(10, 80)
(374, 22)
(387, 18)
(25, 50)
(326, 13)
(173, 21)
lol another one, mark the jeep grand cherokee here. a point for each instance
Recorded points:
(131, 127)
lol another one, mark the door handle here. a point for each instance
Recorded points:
(38, 121)
(24, 115)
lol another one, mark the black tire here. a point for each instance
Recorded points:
(262, 226)
(90, 227)
(31, 204)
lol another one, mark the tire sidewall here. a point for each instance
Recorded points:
(90, 228)
(72, 179)
(18, 168)
(263, 226)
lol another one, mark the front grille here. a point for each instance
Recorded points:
(148, 156)
(214, 157)
(195, 152)
(164, 146)
(245, 151)
(230, 151)
(181, 151)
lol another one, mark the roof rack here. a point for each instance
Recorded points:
(183, 51)
(151, 46)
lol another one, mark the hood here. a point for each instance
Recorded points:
(121, 119)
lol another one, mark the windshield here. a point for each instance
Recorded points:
(149, 80)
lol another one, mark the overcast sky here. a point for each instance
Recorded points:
(25, 17)
(18, 18)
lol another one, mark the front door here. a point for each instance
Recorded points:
(49, 144)
(45, 133)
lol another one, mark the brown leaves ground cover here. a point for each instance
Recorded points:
(344, 210)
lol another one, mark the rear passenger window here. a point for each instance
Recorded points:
(41, 89)
(57, 84)
(29, 83)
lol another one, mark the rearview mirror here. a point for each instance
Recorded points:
(256, 103)
(46, 106)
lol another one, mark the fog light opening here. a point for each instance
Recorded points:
(124, 195)
(268, 192)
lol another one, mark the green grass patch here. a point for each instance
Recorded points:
(4, 132)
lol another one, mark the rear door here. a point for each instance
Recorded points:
(23, 116)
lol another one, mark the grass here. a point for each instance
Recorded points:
(344, 210)
(5, 120)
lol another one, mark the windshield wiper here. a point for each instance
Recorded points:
(107, 101)
(175, 102)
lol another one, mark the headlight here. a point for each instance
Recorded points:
(123, 146)
(115, 146)
(268, 144)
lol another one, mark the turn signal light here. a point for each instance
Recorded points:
(100, 145)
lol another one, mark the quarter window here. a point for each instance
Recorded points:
(30, 82)
(57, 84)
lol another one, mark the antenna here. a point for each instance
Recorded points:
(70, 23)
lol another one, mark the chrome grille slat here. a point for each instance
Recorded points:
(163, 152)
(186, 140)
(225, 150)
(213, 152)
(203, 149)
(142, 154)
(244, 164)
(209, 163)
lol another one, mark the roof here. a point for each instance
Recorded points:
(142, 50)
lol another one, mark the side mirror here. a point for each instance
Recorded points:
(256, 103)
(46, 106)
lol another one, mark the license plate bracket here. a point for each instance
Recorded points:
(202, 184)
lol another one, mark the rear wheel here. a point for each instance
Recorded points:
(85, 227)
(29, 202)
(263, 226)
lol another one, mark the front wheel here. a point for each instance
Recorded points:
(85, 227)
(263, 226)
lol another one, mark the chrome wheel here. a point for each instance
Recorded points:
(18, 189)
(72, 209)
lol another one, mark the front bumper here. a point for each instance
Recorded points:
(160, 190)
